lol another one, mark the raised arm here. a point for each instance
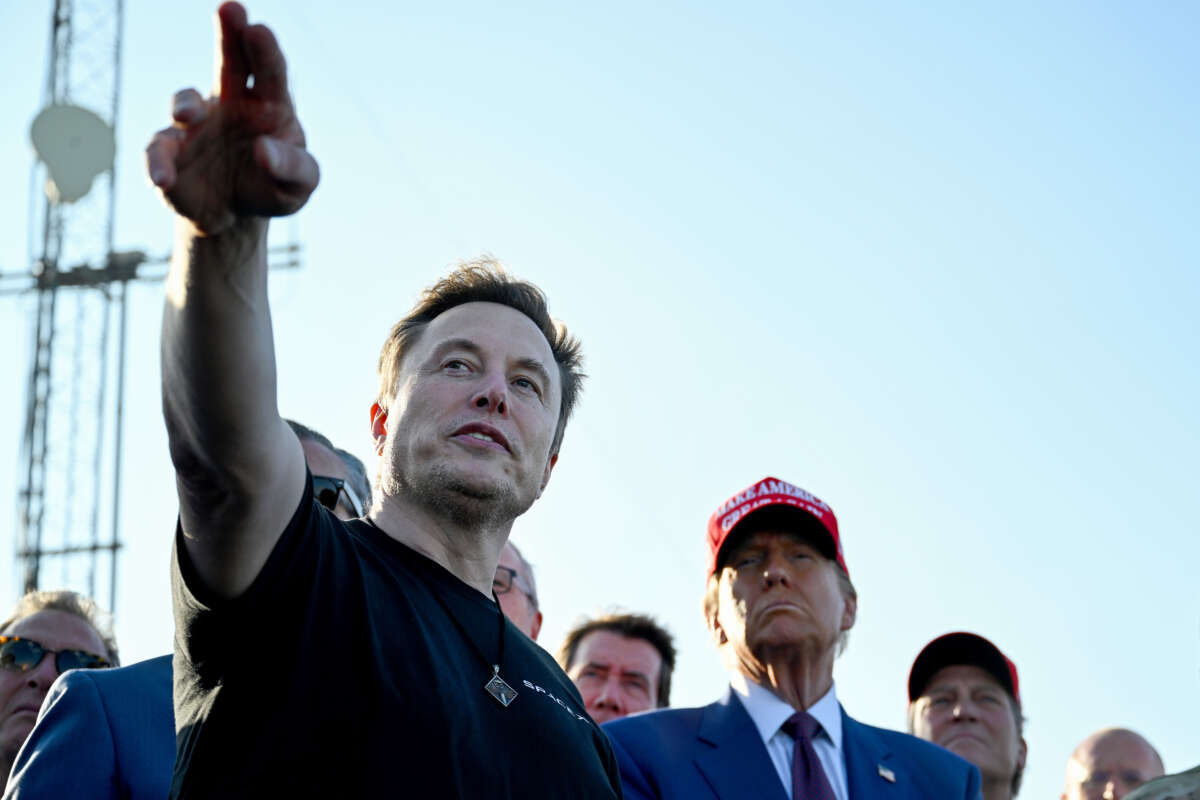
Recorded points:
(225, 165)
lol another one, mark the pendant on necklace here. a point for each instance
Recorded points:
(498, 689)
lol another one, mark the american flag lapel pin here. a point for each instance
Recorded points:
(887, 774)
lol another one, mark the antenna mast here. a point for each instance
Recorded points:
(70, 495)
(71, 422)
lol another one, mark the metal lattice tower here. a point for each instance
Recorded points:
(69, 491)
(69, 499)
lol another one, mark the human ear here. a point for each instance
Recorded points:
(536, 627)
(717, 632)
(378, 427)
(850, 611)
(546, 475)
(714, 628)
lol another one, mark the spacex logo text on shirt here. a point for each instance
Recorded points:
(551, 695)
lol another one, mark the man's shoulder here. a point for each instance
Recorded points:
(118, 693)
(917, 756)
(660, 718)
(114, 726)
(906, 745)
(671, 725)
(693, 752)
(543, 668)
(142, 675)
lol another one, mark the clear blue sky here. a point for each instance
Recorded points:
(937, 265)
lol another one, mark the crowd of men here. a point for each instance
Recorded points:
(777, 577)
(339, 637)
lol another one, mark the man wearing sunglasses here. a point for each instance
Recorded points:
(339, 478)
(111, 734)
(371, 654)
(47, 634)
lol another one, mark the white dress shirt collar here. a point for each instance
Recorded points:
(769, 712)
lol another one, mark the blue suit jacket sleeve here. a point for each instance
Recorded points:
(634, 785)
(70, 752)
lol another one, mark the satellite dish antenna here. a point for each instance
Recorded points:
(76, 145)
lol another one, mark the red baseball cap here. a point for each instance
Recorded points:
(961, 647)
(771, 493)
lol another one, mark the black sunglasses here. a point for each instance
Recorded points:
(327, 490)
(22, 655)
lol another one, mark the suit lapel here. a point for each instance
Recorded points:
(731, 755)
(869, 763)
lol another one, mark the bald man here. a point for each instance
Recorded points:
(1110, 764)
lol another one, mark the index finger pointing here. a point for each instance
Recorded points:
(233, 68)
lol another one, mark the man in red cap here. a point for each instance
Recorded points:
(963, 693)
(779, 603)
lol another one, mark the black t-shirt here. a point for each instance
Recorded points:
(338, 673)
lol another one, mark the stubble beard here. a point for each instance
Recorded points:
(447, 493)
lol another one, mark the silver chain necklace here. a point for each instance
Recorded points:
(496, 686)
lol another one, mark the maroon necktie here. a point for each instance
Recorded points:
(808, 778)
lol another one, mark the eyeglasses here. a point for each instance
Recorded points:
(327, 490)
(503, 582)
(22, 655)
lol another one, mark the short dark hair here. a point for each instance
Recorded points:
(631, 626)
(68, 602)
(483, 280)
(359, 481)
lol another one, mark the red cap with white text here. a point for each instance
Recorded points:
(772, 493)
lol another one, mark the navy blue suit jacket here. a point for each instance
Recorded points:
(101, 733)
(716, 752)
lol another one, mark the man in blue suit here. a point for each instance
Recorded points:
(779, 603)
(101, 733)
(111, 733)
